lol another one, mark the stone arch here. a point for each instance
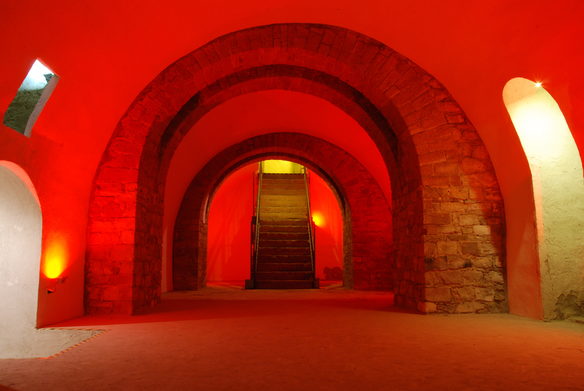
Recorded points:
(368, 255)
(448, 209)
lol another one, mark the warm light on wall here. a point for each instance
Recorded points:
(318, 219)
(281, 167)
(558, 189)
(55, 260)
(539, 122)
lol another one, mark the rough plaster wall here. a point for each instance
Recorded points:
(560, 211)
(20, 252)
(562, 250)
(558, 190)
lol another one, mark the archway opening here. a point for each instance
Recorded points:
(446, 253)
(558, 190)
(21, 233)
(230, 230)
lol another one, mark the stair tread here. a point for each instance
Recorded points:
(283, 252)
(286, 275)
(284, 284)
(283, 259)
(289, 266)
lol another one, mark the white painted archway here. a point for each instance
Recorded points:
(20, 252)
(558, 190)
(20, 256)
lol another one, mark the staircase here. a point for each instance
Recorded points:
(283, 255)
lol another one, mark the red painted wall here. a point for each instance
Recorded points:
(106, 52)
(329, 233)
(228, 238)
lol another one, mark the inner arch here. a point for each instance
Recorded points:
(349, 178)
(232, 206)
(259, 113)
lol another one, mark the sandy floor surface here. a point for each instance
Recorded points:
(224, 338)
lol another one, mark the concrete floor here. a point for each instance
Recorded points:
(224, 338)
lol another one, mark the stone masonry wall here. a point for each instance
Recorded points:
(433, 154)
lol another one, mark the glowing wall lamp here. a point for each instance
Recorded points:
(318, 219)
(54, 265)
(540, 125)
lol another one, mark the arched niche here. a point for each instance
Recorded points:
(20, 249)
(20, 261)
(558, 191)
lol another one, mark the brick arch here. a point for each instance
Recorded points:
(368, 255)
(448, 209)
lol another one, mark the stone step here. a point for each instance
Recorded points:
(284, 275)
(278, 251)
(284, 192)
(284, 266)
(284, 229)
(283, 198)
(287, 177)
(279, 205)
(285, 284)
(283, 182)
(283, 249)
(280, 216)
(284, 235)
(283, 258)
(284, 222)
(263, 243)
(279, 219)
(283, 210)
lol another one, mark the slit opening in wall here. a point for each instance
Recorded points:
(31, 97)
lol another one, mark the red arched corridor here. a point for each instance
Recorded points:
(443, 141)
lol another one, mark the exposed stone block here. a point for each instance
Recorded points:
(427, 307)
(447, 248)
(466, 293)
(438, 294)
(468, 307)
(481, 229)
(485, 294)
(471, 219)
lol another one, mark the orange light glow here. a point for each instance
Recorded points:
(55, 260)
(541, 127)
(318, 219)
